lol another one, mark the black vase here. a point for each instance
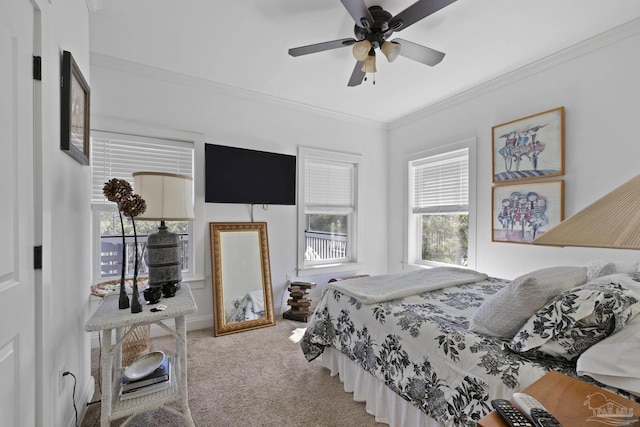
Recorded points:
(136, 300)
(123, 302)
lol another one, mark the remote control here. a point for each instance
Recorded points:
(534, 410)
(542, 418)
(525, 403)
(510, 413)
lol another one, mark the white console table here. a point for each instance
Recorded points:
(107, 318)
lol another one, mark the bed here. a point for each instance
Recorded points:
(432, 347)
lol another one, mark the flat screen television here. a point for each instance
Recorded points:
(240, 175)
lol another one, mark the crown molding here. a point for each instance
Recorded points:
(146, 71)
(94, 5)
(585, 47)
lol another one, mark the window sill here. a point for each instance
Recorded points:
(329, 269)
(194, 282)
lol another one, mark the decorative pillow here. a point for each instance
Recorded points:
(599, 268)
(626, 267)
(614, 360)
(504, 313)
(575, 320)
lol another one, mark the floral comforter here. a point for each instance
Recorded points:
(421, 348)
(250, 307)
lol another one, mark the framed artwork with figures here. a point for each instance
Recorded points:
(74, 111)
(530, 147)
(521, 212)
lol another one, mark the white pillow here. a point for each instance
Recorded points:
(626, 267)
(503, 314)
(599, 268)
(614, 360)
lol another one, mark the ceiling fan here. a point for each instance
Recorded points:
(374, 26)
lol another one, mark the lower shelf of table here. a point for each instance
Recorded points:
(122, 408)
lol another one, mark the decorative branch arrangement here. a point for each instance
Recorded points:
(131, 205)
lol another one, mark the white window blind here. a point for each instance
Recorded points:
(118, 156)
(441, 183)
(329, 184)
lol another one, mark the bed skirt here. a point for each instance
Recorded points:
(380, 401)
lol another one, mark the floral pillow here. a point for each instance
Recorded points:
(575, 320)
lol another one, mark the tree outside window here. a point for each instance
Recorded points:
(445, 238)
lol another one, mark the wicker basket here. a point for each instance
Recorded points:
(135, 344)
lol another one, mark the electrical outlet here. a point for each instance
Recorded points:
(61, 379)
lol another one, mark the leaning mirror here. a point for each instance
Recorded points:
(242, 295)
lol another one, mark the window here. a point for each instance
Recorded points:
(439, 206)
(328, 189)
(116, 155)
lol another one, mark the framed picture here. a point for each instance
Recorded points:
(531, 147)
(74, 108)
(522, 212)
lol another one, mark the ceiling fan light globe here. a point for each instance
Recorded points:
(361, 50)
(391, 50)
(369, 65)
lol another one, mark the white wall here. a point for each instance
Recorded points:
(599, 90)
(135, 92)
(62, 224)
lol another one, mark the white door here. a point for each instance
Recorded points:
(17, 296)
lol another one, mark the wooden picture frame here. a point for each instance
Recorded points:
(530, 147)
(522, 212)
(74, 111)
(241, 276)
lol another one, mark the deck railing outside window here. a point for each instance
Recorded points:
(324, 246)
(111, 255)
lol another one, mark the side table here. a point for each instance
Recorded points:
(576, 403)
(299, 303)
(108, 318)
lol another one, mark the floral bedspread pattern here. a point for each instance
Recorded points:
(421, 348)
(250, 307)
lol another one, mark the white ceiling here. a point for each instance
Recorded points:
(244, 43)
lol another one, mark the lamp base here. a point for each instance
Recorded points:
(163, 257)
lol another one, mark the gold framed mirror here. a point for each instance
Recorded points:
(242, 294)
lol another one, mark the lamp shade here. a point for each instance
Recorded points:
(369, 65)
(391, 50)
(168, 196)
(610, 222)
(361, 50)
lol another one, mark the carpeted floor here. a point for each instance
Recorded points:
(254, 378)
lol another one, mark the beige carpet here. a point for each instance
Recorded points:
(253, 378)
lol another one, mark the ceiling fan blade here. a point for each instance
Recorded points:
(417, 11)
(357, 76)
(319, 47)
(359, 12)
(419, 53)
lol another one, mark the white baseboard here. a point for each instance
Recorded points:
(85, 397)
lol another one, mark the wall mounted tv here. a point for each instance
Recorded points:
(240, 175)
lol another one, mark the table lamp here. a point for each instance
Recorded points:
(610, 222)
(169, 197)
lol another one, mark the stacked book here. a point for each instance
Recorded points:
(159, 379)
(299, 303)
